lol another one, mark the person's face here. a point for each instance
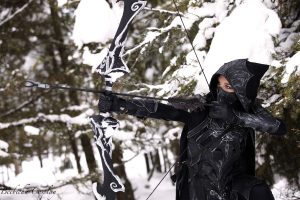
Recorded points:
(224, 84)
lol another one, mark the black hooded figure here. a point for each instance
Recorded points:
(217, 155)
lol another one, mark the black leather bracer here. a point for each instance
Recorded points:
(261, 120)
(138, 107)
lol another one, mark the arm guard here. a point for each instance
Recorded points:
(138, 108)
(261, 120)
(153, 109)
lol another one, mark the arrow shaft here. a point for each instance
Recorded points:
(33, 84)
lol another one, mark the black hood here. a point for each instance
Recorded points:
(243, 76)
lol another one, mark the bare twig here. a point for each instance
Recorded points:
(15, 13)
(24, 104)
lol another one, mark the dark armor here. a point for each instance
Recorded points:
(217, 159)
(213, 155)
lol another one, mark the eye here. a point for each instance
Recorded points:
(228, 87)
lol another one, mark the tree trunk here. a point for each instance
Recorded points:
(157, 161)
(156, 165)
(61, 47)
(174, 147)
(164, 151)
(64, 63)
(147, 162)
(74, 148)
(18, 166)
(40, 150)
(89, 155)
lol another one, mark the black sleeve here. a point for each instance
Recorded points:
(153, 109)
(261, 120)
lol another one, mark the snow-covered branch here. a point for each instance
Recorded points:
(162, 11)
(81, 119)
(156, 32)
(15, 13)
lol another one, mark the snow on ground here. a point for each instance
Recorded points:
(164, 191)
(136, 172)
(49, 176)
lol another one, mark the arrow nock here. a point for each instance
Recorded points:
(32, 84)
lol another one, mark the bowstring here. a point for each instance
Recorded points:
(202, 70)
(190, 40)
(166, 173)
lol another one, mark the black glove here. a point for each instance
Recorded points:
(108, 103)
(222, 111)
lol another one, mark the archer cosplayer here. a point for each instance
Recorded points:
(217, 159)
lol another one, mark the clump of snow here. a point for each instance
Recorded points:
(93, 59)
(62, 2)
(185, 72)
(150, 73)
(188, 21)
(3, 148)
(206, 31)
(3, 145)
(173, 61)
(282, 191)
(76, 107)
(3, 154)
(31, 130)
(30, 60)
(271, 100)
(293, 65)
(150, 36)
(206, 10)
(288, 37)
(272, 4)
(95, 21)
(174, 133)
(191, 58)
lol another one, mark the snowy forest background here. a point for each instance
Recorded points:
(45, 136)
